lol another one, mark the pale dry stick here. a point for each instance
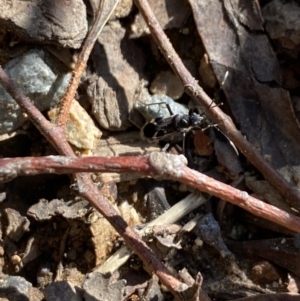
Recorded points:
(62, 248)
(224, 121)
(171, 216)
(86, 188)
(106, 8)
(158, 165)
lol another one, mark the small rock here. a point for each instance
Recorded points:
(198, 242)
(15, 288)
(37, 80)
(264, 272)
(155, 107)
(80, 130)
(61, 290)
(123, 9)
(168, 83)
(15, 259)
(56, 22)
(17, 224)
(44, 275)
(97, 287)
(104, 235)
(35, 294)
(293, 284)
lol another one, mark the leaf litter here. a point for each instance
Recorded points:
(53, 243)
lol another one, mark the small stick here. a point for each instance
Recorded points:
(158, 165)
(105, 9)
(171, 216)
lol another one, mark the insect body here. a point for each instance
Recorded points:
(174, 129)
(163, 127)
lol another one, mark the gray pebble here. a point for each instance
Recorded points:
(38, 82)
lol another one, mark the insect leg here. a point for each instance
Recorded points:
(183, 142)
(169, 108)
(165, 148)
(166, 104)
(214, 125)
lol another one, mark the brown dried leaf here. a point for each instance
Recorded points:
(45, 210)
(97, 287)
(264, 113)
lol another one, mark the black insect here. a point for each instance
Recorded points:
(180, 127)
(165, 127)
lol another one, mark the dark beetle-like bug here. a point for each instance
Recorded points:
(176, 127)
(164, 127)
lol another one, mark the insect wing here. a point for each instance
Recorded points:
(218, 134)
(157, 128)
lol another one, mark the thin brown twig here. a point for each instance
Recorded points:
(161, 165)
(224, 121)
(79, 68)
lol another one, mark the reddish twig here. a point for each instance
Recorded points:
(224, 121)
(79, 68)
(158, 165)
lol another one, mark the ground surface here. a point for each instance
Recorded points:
(54, 243)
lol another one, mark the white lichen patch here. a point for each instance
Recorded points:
(168, 164)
